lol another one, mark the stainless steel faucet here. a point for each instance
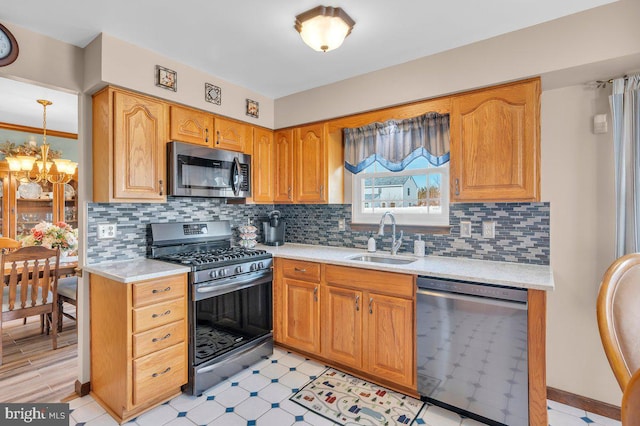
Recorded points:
(395, 244)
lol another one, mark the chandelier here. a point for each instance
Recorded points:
(324, 28)
(22, 166)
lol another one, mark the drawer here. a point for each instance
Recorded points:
(159, 314)
(158, 338)
(159, 372)
(159, 290)
(301, 270)
(390, 283)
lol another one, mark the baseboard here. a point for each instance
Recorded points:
(584, 403)
(82, 389)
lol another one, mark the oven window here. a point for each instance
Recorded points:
(202, 173)
(228, 321)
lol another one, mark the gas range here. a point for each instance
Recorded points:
(206, 248)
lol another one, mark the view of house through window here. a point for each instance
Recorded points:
(418, 195)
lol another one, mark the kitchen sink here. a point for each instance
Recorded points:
(391, 260)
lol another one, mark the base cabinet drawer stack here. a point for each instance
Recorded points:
(138, 343)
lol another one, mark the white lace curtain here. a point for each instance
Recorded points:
(625, 111)
(396, 143)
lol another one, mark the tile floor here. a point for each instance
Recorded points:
(260, 396)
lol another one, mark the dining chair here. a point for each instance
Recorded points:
(631, 402)
(30, 276)
(8, 244)
(67, 292)
(619, 316)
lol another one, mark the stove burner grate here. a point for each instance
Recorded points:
(212, 256)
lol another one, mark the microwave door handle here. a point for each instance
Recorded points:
(235, 176)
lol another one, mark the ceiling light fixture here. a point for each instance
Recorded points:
(324, 28)
(22, 165)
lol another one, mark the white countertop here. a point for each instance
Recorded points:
(519, 275)
(127, 271)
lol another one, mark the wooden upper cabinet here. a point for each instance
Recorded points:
(129, 143)
(495, 144)
(190, 125)
(263, 165)
(233, 135)
(310, 164)
(283, 157)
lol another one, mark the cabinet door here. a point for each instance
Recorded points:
(188, 125)
(139, 141)
(301, 322)
(495, 144)
(263, 164)
(284, 166)
(233, 136)
(390, 336)
(342, 325)
(310, 164)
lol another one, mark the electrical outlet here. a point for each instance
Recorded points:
(107, 231)
(341, 224)
(465, 229)
(488, 229)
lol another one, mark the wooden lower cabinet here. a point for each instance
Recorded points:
(138, 343)
(366, 319)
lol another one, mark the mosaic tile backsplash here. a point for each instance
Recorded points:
(522, 229)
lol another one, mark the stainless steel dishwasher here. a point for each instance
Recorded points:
(472, 349)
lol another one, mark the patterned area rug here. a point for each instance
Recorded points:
(347, 400)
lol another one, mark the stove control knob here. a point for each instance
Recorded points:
(212, 274)
(260, 265)
(253, 267)
(238, 269)
(222, 272)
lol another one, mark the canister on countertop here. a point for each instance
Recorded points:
(419, 246)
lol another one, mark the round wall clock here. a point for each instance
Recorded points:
(8, 47)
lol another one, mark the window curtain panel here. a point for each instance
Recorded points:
(625, 111)
(396, 143)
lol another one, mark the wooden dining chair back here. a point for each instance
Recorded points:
(7, 244)
(30, 287)
(619, 316)
(631, 402)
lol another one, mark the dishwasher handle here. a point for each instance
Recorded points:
(474, 299)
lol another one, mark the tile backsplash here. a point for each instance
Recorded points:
(521, 233)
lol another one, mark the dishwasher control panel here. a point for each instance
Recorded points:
(473, 289)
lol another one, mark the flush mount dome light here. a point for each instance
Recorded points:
(324, 28)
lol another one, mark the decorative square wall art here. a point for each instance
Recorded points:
(212, 94)
(166, 78)
(252, 108)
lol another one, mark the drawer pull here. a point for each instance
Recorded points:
(159, 339)
(156, 291)
(303, 270)
(167, 312)
(161, 373)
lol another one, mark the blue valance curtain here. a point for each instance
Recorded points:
(395, 143)
(625, 112)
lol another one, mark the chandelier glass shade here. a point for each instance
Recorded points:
(324, 28)
(22, 166)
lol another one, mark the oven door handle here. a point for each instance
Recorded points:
(204, 291)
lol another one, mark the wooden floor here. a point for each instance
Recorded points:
(33, 372)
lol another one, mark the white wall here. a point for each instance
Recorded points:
(578, 181)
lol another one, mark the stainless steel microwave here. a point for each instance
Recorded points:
(199, 171)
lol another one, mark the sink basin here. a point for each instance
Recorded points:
(391, 260)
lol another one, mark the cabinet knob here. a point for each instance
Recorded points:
(206, 135)
(161, 187)
(218, 137)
